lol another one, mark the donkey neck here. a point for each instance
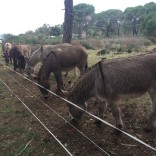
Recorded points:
(44, 72)
(47, 66)
(83, 89)
(35, 58)
(51, 63)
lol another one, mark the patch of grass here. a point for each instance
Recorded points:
(14, 134)
(94, 57)
(11, 129)
(20, 147)
(22, 114)
(14, 138)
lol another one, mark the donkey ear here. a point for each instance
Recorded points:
(70, 83)
(34, 76)
(63, 92)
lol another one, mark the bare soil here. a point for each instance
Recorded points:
(22, 134)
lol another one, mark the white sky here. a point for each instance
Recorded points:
(19, 16)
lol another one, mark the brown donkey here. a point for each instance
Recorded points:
(64, 58)
(108, 80)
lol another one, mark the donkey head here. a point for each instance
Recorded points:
(75, 113)
(44, 86)
(28, 71)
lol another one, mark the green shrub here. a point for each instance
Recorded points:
(103, 52)
(127, 44)
(86, 45)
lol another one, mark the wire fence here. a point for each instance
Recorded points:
(53, 112)
(105, 122)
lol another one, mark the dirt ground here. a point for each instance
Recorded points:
(22, 134)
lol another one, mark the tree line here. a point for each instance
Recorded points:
(134, 21)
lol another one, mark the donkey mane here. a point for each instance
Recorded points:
(85, 73)
(42, 72)
(52, 52)
(88, 79)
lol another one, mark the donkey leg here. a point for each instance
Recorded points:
(81, 69)
(76, 72)
(152, 117)
(59, 80)
(116, 113)
(10, 59)
(66, 73)
(15, 64)
(101, 107)
(6, 59)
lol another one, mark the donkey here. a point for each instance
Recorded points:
(19, 54)
(41, 54)
(7, 47)
(61, 59)
(108, 80)
(38, 55)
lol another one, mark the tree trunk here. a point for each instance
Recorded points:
(134, 27)
(68, 21)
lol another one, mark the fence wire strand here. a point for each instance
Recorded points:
(36, 117)
(61, 116)
(105, 122)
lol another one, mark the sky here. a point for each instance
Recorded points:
(20, 16)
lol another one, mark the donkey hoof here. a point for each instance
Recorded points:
(148, 130)
(97, 122)
(46, 97)
(73, 121)
(118, 129)
(119, 126)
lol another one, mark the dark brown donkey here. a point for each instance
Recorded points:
(110, 79)
(58, 60)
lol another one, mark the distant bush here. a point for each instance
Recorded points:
(126, 44)
(86, 45)
(91, 43)
(119, 45)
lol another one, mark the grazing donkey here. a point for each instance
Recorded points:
(19, 54)
(41, 54)
(63, 58)
(7, 48)
(108, 80)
